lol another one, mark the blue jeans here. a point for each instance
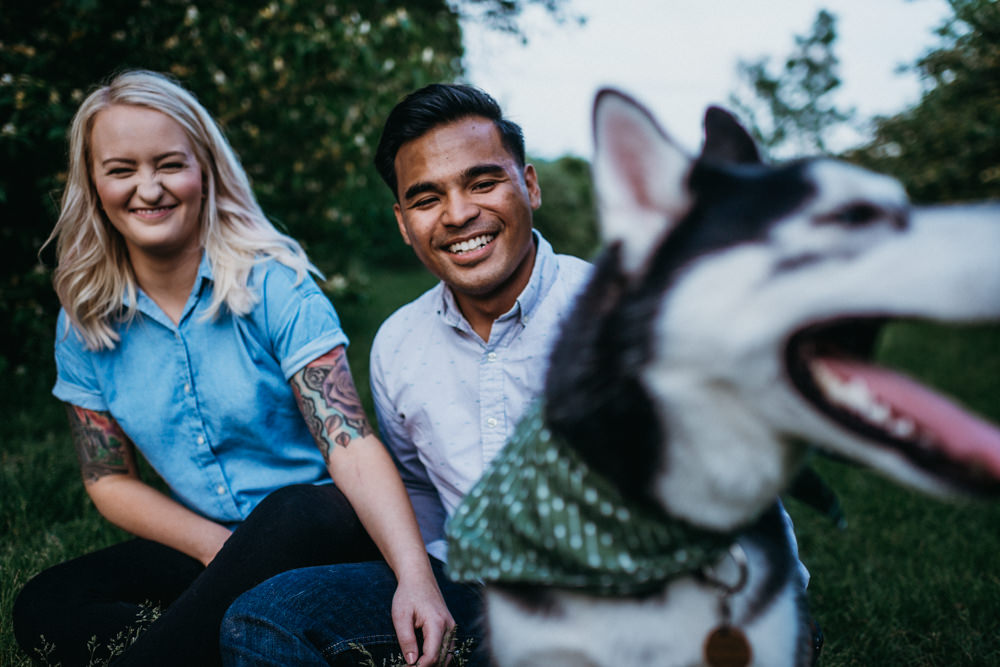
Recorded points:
(313, 616)
(99, 594)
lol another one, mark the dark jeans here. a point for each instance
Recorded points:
(99, 594)
(316, 616)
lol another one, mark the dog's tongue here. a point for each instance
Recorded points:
(966, 438)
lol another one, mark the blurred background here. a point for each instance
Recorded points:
(301, 88)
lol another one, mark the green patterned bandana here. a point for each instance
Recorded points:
(540, 515)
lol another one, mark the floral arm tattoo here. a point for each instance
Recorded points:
(101, 445)
(329, 402)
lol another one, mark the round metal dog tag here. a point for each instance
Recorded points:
(727, 646)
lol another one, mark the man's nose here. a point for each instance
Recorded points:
(460, 210)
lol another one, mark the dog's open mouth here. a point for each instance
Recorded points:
(830, 364)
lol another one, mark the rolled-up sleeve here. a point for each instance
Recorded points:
(76, 381)
(302, 323)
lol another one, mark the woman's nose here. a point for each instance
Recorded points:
(150, 187)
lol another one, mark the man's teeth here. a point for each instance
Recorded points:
(855, 396)
(471, 244)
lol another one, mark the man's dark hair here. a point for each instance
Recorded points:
(438, 104)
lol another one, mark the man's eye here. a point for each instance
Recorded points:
(484, 185)
(425, 202)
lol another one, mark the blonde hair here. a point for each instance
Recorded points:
(93, 276)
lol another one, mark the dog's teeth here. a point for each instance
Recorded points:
(903, 428)
(856, 396)
(856, 392)
(877, 413)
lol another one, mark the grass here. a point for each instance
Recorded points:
(46, 516)
(910, 581)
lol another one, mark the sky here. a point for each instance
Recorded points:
(679, 56)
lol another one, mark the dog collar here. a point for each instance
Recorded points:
(540, 515)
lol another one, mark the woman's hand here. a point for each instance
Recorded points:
(363, 470)
(422, 607)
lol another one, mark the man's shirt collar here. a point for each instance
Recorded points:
(542, 277)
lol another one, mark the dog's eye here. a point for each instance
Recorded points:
(856, 215)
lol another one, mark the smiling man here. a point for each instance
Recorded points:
(464, 205)
(451, 372)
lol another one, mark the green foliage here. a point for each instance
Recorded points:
(793, 107)
(946, 148)
(301, 88)
(503, 14)
(567, 216)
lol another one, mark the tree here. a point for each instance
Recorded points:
(301, 88)
(947, 147)
(793, 105)
(567, 216)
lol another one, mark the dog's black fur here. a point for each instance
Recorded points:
(710, 345)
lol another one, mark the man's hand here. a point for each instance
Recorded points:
(424, 609)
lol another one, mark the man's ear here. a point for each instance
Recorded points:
(398, 212)
(534, 190)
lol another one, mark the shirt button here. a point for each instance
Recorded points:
(491, 422)
(220, 489)
(187, 388)
(201, 440)
(492, 356)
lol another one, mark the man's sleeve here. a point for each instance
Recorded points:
(423, 494)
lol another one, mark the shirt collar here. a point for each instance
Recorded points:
(146, 306)
(543, 276)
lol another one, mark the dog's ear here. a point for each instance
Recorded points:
(726, 141)
(640, 177)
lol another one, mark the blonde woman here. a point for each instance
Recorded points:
(191, 330)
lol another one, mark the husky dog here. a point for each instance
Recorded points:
(727, 324)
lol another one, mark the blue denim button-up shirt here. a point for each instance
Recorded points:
(208, 401)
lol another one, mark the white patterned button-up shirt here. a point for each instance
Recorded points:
(447, 401)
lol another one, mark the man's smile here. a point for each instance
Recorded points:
(474, 243)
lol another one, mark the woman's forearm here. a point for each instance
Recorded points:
(365, 473)
(110, 474)
(138, 508)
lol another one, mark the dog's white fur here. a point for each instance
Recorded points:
(718, 380)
